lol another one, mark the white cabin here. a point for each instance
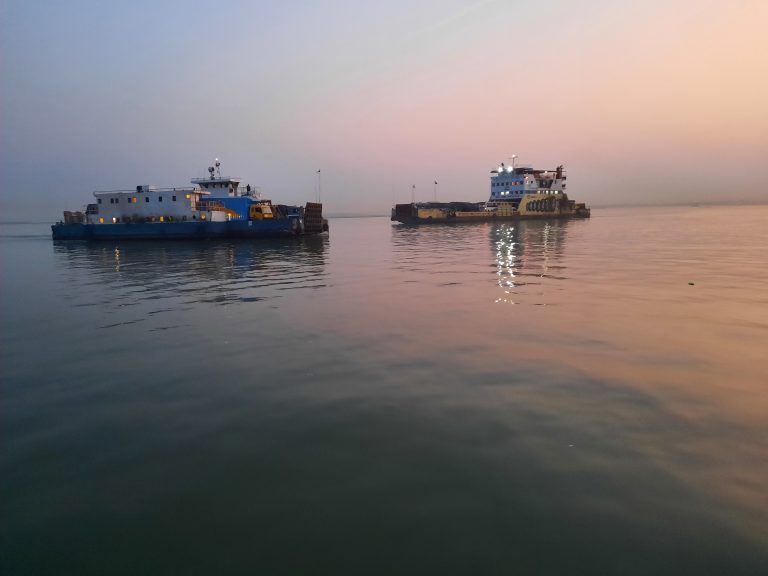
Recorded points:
(146, 203)
(510, 183)
(151, 204)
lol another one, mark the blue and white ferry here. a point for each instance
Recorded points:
(214, 207)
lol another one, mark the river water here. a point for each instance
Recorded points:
(540, 398)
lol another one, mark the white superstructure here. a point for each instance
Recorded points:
(509, 184)
(151, 204)
(146, 202)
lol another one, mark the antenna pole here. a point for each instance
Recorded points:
(319, 188)
(435, 190)
(413, 194)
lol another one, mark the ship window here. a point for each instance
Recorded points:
(146, 199)
(173, 198)
(159, 198)
(189, 196)
(99, 200)
(101, 220)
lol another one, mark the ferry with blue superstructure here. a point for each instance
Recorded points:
(214, 207)
(517, 193)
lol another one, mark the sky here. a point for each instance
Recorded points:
(644, 102)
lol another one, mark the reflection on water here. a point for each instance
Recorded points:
(527, 253)
(194, 272)
(528, 256)
(374, 401)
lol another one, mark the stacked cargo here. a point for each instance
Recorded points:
(313, 218)
(74, 217)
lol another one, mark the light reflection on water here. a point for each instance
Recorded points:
(526, 253)
(372, 397)
(528, 256)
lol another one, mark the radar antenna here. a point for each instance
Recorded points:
(218, 168)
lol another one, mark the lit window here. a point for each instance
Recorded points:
(162, 218)
(189, 196)
(202, 216)
(134, 200)
(101, 220)
(114, 220)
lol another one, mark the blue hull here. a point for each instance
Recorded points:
(174, 230)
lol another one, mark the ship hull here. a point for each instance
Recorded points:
(412, 220)
(175, 230)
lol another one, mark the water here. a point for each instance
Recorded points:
(550, 398)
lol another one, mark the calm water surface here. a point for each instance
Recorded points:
(584, 397)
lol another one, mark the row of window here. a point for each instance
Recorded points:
(134, 200)
(116, 220)
(516, 183)
(519, 192)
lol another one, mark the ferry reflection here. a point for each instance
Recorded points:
(220, 271)
(528, 253)
(528, 257)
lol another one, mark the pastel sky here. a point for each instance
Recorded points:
(643, 101)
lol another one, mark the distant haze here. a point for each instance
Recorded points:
(643, 102)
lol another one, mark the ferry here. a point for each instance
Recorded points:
(517, 193)
(214, 207)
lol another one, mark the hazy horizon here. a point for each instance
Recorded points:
(655, 102)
